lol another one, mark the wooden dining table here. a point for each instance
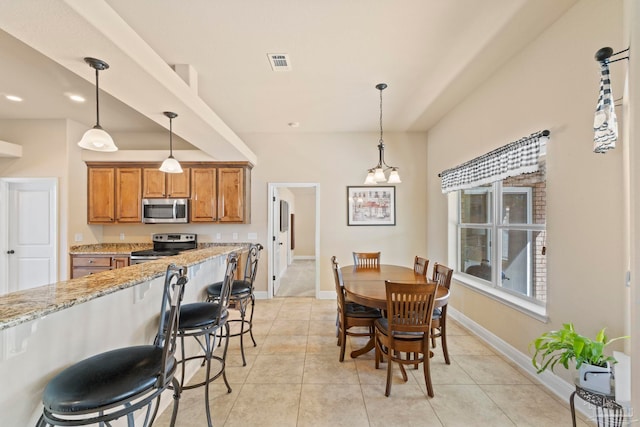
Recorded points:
(366, 286)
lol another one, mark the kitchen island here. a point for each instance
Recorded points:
(45, 329)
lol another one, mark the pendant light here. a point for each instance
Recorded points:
(96, 138)
(377, 173)
(171, 165)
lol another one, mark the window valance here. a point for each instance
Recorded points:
(515, 158)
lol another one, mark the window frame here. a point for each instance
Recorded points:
(526, 304)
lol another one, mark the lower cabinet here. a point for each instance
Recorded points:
(84, 265)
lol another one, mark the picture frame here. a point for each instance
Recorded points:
(369, 205)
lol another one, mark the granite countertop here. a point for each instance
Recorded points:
(109, 248)
(127, 248)
(23, 306)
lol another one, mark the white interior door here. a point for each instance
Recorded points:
(31, 248)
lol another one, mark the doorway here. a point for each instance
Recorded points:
(288, 242)
(28, 219)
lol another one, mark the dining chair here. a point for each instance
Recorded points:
(441, 275)
(366, 259)
(420, 265)
(241, 295)
(406, 329)
(115, 384)
(351, 314)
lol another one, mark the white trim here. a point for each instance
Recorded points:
(327, 295)
(554, 383)
(261, 294)
(303, 257)
(531, 309)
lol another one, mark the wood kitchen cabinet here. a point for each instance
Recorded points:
(203, 195)
(114, 195)
(158, 184)
(84, 265)
(220, 194)
(128, 195)
(101, 195)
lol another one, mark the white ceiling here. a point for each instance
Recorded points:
(431, 53)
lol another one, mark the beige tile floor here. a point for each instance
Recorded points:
(293, 378)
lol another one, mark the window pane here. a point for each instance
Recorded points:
(524, 199)
(475, 205)
(475, 252)
(524, 268)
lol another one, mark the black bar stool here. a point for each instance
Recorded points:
(241, 295)
(202, 321)
(117, 383)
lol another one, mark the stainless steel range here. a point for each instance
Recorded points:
(166, 244)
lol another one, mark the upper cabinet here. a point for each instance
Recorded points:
(128, 195)
(114, 195)
(101, 195)
(158, 184)
(218, 192)
(221, 194)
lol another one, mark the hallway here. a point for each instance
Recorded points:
(299, 279)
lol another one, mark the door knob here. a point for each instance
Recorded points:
(11, 252)
(280, 243)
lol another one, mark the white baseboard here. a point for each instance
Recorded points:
(303, 257)
(554, 383)
(261, 294)
(327, 295)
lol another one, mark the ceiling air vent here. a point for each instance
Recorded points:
(279, 61)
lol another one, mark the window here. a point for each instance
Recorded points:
(501, 236)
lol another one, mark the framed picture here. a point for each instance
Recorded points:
(371, 205)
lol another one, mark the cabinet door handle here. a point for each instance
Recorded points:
(90, 261)
(11, 252)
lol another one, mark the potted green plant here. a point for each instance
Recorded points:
(565, 345)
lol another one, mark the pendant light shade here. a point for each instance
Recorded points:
(171, 165)
(97, 139)
(376, 174)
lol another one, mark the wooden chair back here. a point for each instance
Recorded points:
(442, 275)
(409, 308)
(421, 265)
(366, 259)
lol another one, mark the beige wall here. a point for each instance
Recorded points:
(335, 161)
(48, 152)
(305, 224)
(552, 84)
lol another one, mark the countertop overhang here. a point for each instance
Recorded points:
(23, 306)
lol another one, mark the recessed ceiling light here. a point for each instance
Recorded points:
(293, 124)
(75, 98)
(13, 98)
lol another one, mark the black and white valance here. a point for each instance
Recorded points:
(515, 158)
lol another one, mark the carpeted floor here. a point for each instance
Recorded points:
(299, 279)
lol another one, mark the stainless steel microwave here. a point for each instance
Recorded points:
(158, 211)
